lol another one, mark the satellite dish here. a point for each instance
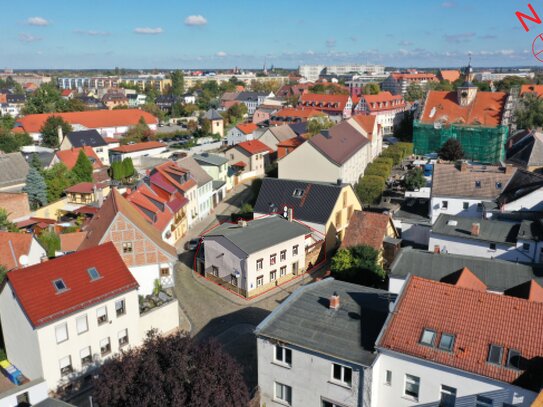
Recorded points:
(23, 260)
(285, 212)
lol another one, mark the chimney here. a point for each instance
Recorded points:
(290, 214)
(462, 165)
(339, 181)
(475, 229)
(334, 301)
(60, 135)
(436, 249)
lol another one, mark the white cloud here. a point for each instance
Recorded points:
(148, 30)
(195, 20)
(405, 43)
(221, 54)
(92, 33)
(24, 37)
(39, 21)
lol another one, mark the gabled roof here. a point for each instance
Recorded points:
(486, 110)
(13, 169)
(367, 228)
(253, 147)
(210, 159)
(292, 112)
(83, 138)
(339, 143)
(529, 153)
(131, 148)
(259, 234)
(247, 96)
(84, 187)
(530, 88)
(213, 114)
(69, 157)
(292, 142)
(36, 294)
(113, 205)
(383, 101)
(529, 290)
(304, 319)
(150, 206)
(92, 119)
(477, 320)
(282, 132)
(466, 279)
(367, 122)
(413, 76)
(334, 103)
(171, 177)
(449, 75)
(70, 242)
(196, 171)
(247, 128)
(12, 247)
(521, 184)
(315, 205)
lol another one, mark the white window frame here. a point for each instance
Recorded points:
(106, 342)
(286, 393)
(122, 308)
(282, 271)
(65, 362)
(447, 391)
(83, 353)
(63, 330)
(122, 337)
(342, 380)
(295, 250)
(79, 326)
(273, 275)
(388, 377)
(259, 264)
(283, 255)
(101, 312)
(260, 281)
(283, 359)
(415, 381)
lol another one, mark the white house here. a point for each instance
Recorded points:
(369, 127)
(457, 344)
(217, 168)
(397, 83)
(317, 347)
(274, 135)
(205, 185)
(240, 133)
(462, 189)
(339, 153)
(136, 151)
(389, 109)
(18, 250)
(88, 138)
(253, 257)
(63, 317)
(249, 158)
(496, 239)
(253, 99)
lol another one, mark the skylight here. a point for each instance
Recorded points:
(428, 337)
(446, 342)
(495, 353)
(60, 286)
(298, 193)
(93, 273)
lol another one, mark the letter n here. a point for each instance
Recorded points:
(534, 18)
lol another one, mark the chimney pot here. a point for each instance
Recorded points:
(475, 229)
(334, 301)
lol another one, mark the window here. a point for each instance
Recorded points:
(465, 205)
(273, 259)
(215, 271)
(499, 185)
(388, 377)
(295, 250)
(93, 273)
(446, 342)
(120, 308)
(61, 332)
(164, 271)
(513, 359)
(105, 346)
(342, 374)
(338, 219)
(127, 247)
(525, 246)
(298, 193)
(477, 184)
(495, 354)
(101, 315)
(85, 355)
(60, 286)
(444, 204)
(23, 399)
(412, 385)
(259, 281)
(82, 324)
(295, 268)
(273, 275)
(283, 255)
(259, 264)
(283, 393)
(481, 401)
(123, 337)
(283, 355)
(428, 337)
(65, 366)
(448, 396)
(492, 246)
(283, 271)
(326, 403)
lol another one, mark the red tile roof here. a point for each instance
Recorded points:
(152, 207)
(70, 242)
(383, 101)
(476, 318)
(20, 242)
(84, 187)
(66, 92)
(413, 76)
(131, 148)
(247, 128)
(34, 221)
(301, 113)
(92, 119)
(367, 122)
(168, 173)
(111, 140)
(292, 142)
(449, 75)
(487, 108)
(536, 89)
(253, 147)
(42, 304)
(239, 164)
(69, 157)
(332, 103)
(366, 228)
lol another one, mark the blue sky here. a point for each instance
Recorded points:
(223, 34)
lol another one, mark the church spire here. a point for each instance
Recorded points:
(468, 91)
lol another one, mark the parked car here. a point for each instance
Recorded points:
(192, 244)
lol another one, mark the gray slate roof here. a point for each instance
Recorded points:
(250, 96)
(528, 152)
(210, 159)
(498, 275)
(496, 231)
(315, 205)
(349, 333)
(213, 114)
(13, 169)
(521, 184)
(197, 172)
(83, 138)
(260, 233)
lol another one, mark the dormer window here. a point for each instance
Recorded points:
(428, 337)
(93, 273)
(513, 359)
(446, 342)
(60, 286)
(298, 193)
(495, 353)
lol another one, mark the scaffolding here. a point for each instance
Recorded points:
(481, 144)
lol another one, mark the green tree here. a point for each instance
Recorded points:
(75, 105)
(50, 242)
(36, 162)
(178, 83)
(10, 142)
(49, 131)
(404, 130)
(414, 179)
(117, 170)
(151, 107)
(128, 170)
(359, 265)
(529, 114)
(379, 169)
(451, 150)
(509, 82)
(414, 92)
(371, 89)
(342, 262)
(318, 124)
(57, 179)
(370, 188)
(35, 188)
(140, 132)
(46, 99)
(7, 122)
(5, 223)
(3, 272)
(236, 113)
(82, 169)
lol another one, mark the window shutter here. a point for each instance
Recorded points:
(61, 332)
(82, 325)
(85, 352)
(101, 312)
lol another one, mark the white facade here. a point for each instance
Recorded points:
(432, 377)
(529, 202)
(205, 200)
(146, 276)
(309, 376)
(236, 136)
(35, 391)
(134, 155)
(465, 207)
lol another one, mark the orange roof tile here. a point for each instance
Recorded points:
(366, 228)
(536, 89)
(335, 103)
(69, 157)
(247, 128)
(367, 122)
(292, 142)
(487, 108)
(21, 245)
(450, 75)
(151, 206)
(254, 147)
(70, 242)
(383, 101)
(413, 76)
(297, 112)
(92, 119)
(476, 318)
(131, 148)
(169, 170)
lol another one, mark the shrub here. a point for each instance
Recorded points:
(406, 147)
(385, 160)
(370, 188)
(379, 169)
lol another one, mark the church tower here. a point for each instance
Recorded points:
(468, 91)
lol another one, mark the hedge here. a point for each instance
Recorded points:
(379, 169)
(370, 188)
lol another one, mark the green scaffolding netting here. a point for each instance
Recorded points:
(481, 144)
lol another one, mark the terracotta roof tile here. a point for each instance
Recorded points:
(317, 101)
(366, 228)
(247, 128)
(383, 101)
(37, 296)
(367, 122)
(169, 173)
(413, 76)
(152, 207)
(69, 157)
(450, 75)
(20, 242)
(292, 142)
(536, 89)
(84, 187)
(253, 147)
(70, 242)
(130, 148)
